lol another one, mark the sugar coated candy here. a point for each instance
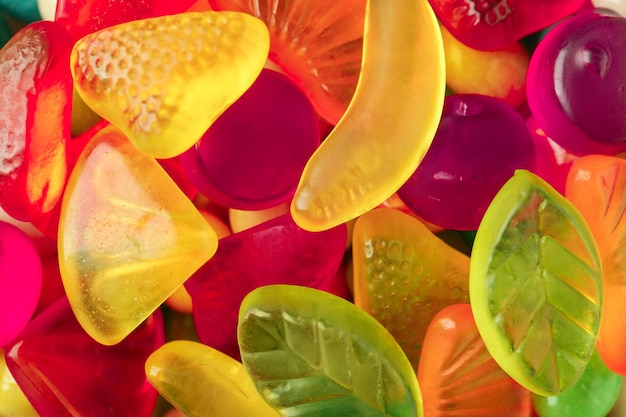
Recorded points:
(164, 80)
(390, 123)
(128, 237)
(536, 285)
(202, 381)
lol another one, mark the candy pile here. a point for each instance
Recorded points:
(312, 207)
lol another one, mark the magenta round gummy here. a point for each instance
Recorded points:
(20, 281)
(479, 144)
(252, 157)
(576, 84)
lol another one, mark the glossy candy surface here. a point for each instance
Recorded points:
(253, 155)
(536, 285)
(596, 186)
(390, 123)
(404, 275)
(128, 237)
(311, 353)
(164, 80)
(576, 84)
(480, 142)
(458, 375)
(201, 381)
(13, 402)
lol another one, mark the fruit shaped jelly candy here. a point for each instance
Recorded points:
(20, 281)
(404, 275)
(573, 77)
(312, 353)
(595, 185)
(62, 371)
(82, 17)
(318, 44)
(252, 156)
(23, 10)
(459, 377)
(390, 123)
(164, 80)
(13, 402)
(594, 395)
(617, 6)
(536, 285)
(500, 73)
(479, 144)
(35, 120)
(274, 252)
(202, 381)
(128, 237)
(495, 24)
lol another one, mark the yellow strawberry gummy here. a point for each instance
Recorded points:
(164, 80)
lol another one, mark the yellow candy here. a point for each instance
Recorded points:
(164, 80)
(389, 124)
(202, 381)
(13, 402)
(128, 237)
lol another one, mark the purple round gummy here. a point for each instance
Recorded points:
(576, 84)
(479, 144)
(252, 157)
(20, 281)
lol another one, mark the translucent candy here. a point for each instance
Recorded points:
(390, 123)
(469, 160)
(128, 237)
(596, 186)
(536, 285)
(252, 157)
(311, 353)
(458, 375)
(404, 275)
(13, 402)
(164, 80)
(213, 384)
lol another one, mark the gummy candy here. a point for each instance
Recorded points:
(458, 376)
(128, 237)
(617, 6)
(404, 275)
(390, 123)
(13, 402)
(312, 353)
(164, 80)
(536, 285)
(202, 381)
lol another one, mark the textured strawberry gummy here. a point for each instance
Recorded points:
(164, 80)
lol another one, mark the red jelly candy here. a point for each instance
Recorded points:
(252, 156)
(63, 371)
(274, 252)
(20, 281)
(35, 103)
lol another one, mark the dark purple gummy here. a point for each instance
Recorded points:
(479, 144)
(253, 155)
(576, 84)
(274, 252)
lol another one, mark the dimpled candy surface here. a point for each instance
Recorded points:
(576, 86)
(20, 281)
(13, 402)
(458, 375)
(252, 157)
(536, 285)
(128, 237)
(593, 395)
(274, 252)
(596, 185)
(480, 142)
(164, 80)
(390, 123)
(34, 120)
(201, 381)
(310, 353)
(64, 372)
(404, 275)
(494, 24)
(316, 43)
